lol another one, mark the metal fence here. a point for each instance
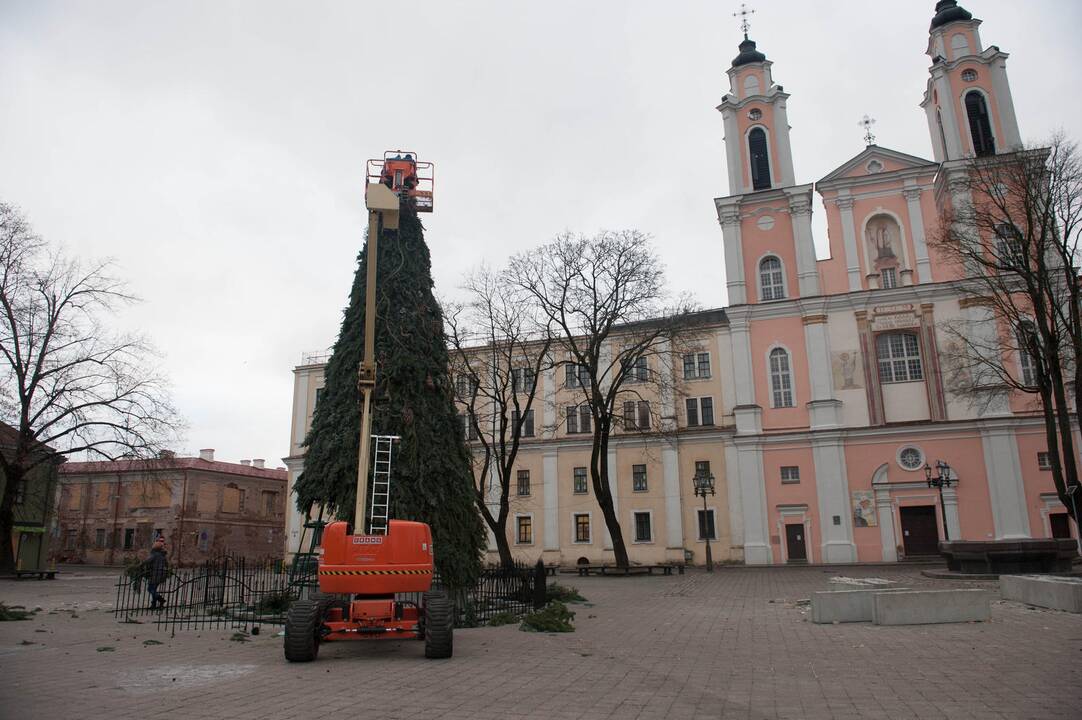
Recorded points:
(232, 592)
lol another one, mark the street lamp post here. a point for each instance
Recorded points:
(704, 485)
(942, 479)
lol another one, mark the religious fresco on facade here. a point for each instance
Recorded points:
(864, 509)
(845, 366)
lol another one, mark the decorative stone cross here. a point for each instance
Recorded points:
(866, 123)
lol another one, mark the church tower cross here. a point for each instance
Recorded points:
(743, 15)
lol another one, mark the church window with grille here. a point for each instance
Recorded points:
(899, 357)
(771, 279)
(781, 378)
(760, 159)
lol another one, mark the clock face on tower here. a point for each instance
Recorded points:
(755, 114)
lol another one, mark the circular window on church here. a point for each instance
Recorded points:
(969, 75)
(910, 458)
(755, 114)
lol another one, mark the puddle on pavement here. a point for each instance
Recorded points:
(179, 676)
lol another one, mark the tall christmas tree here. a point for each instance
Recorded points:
(431, 480)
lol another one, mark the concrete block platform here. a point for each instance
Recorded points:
(1058, 593)
(846, 605)
(927, 607)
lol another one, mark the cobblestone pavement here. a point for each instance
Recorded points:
(735, 644)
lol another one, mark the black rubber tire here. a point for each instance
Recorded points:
(438, 626)
(302, 631)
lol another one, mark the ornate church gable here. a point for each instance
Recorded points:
(875, 160)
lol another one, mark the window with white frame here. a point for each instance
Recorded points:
(700, 411)
(898, 354)
(637, 415)
(523, 482)
(582, 528)
(889, 278)
(578, 419)
(1027, 343)
(790, 474)
(1008, 244)
(527, 422)
(576, 376)
(707, 530)
(579, 476)
(465, 386)
(771, 279)
(696, 365)
(522, 379)
(469, 430)
(638, 478)
(525, 529)
(642, 527)
(1044, 460)
(781, 378)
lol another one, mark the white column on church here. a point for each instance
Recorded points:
(749, 473)
(1008, 122)
(781, 144)
(885, 510)
(549, 411)
(733, 154)
(670, 470)
(551, 500)
(832, 492)
(950, 512)
(800, 210)
(1004, 470)
(916, 225)
(951, 129)
(849, 236)
(729, 217)
(824, 408)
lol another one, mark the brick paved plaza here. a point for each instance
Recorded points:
(732, 645)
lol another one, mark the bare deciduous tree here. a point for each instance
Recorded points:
(68, 381)
(1013, 234)
(606, 301)
(498, 353)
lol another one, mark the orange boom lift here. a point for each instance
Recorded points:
(360, 573)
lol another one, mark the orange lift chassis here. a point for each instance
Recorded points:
(361, 573)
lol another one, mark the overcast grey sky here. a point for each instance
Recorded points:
(216, 149)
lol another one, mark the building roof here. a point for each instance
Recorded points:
(948, 11)
(112, 467)
(9, 437)
(905, 160)
(748, 54)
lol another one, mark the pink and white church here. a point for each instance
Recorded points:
(840, 398)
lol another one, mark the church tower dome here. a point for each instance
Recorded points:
(948, 11)
(748, 54)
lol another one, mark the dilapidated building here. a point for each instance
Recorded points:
(110, 512)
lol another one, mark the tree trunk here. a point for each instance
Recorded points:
(599, 475)
(12, 481)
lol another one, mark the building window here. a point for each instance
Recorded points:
(638, 478)
(527, 423)
(899, 357)
(522, 379)
(910, 458)
(576, 375)
(465, 387)
(696, 365)
(642, 527)
(525, 529)
(1008, 245)
(99, 539)
(523, 482)
(1027, 360)
(888, 278)
(969, 75)
(702, 467)
(129, 538)
(760, 159)
(270, 503)
(700, 411)
(771, 279)
(1044, 461)
(582, 528)
(790, 474)
(706, 525)
(580, 481)
(20, 491)
(469, 430)
(637, 415)
(637, 370)
(578, 419)
(980, 125)
(781, 378)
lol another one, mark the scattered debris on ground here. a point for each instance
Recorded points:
(563, 593)
(106, 648)
(502, 618)
(554, 617)
(152, 642)
(240, 637)
(14, 612)
(842, 580)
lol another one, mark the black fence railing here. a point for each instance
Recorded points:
(233, 592)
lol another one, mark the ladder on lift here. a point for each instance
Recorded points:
(381, 483)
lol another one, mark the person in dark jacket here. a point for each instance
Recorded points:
(156, 570)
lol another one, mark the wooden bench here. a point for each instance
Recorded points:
(41, 574)
(666, 569)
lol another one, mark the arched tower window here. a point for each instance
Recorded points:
(980, 125)
(1028, 346)
(760, 160)
(781, 378)
(771, 279)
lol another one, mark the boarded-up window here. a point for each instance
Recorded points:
(270, 503)
(232, 499)
(102, 496)
(208, 498)
(149, 493)
(75, 497)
